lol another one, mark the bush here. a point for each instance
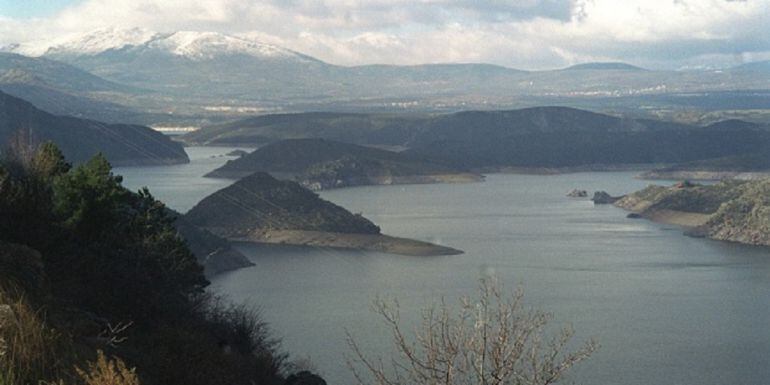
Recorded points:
(21, 268)
(30, 350)
(220, 345)
(107, 371)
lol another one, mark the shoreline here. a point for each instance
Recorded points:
(687, 221)
(690, 222)
(567, 170)
(367, 242)
(316, 185)
(704, 175)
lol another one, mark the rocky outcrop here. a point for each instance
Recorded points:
(237, 153)
(735, 211)
(575, 193)
(304, 378)
(745, 218)
(603, 198)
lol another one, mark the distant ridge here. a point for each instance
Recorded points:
(194, 78)
(81, 139)
(190, 44)
(323, 164)
(15, 68)
(754, 66)
(605, 66)
(63, 89)
(538, 137)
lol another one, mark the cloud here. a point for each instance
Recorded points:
(519, 33)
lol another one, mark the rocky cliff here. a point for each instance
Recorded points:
(736, 211)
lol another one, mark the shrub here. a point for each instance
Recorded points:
(107, 371)
(30, 351)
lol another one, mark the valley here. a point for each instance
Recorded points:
(214, 193)
(187, 78)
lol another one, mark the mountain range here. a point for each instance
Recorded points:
(188, 77)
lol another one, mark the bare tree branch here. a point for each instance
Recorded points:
(491, 340)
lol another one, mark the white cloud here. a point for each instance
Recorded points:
(518, 33)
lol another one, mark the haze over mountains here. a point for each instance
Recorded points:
(190, 77)
(80, 139)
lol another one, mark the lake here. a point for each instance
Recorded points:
(666, 308)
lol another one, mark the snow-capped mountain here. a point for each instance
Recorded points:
(90, 43)
(192, 45)
(208, 45)
(186, 63)
(101, 40)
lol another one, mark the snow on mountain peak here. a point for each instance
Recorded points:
(102, 40)
(90, 43)
(207, 45)
(189, 44)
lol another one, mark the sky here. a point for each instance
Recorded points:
(526, 34)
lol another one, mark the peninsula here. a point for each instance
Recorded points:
(320, 164)
(260, 208)
(736, 211)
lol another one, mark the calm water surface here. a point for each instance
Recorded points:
(667, 309)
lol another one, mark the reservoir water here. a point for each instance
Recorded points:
(666, 309)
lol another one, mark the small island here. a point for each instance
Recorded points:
(735, 211)
(260, 208)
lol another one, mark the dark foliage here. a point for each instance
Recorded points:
(104, 257)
